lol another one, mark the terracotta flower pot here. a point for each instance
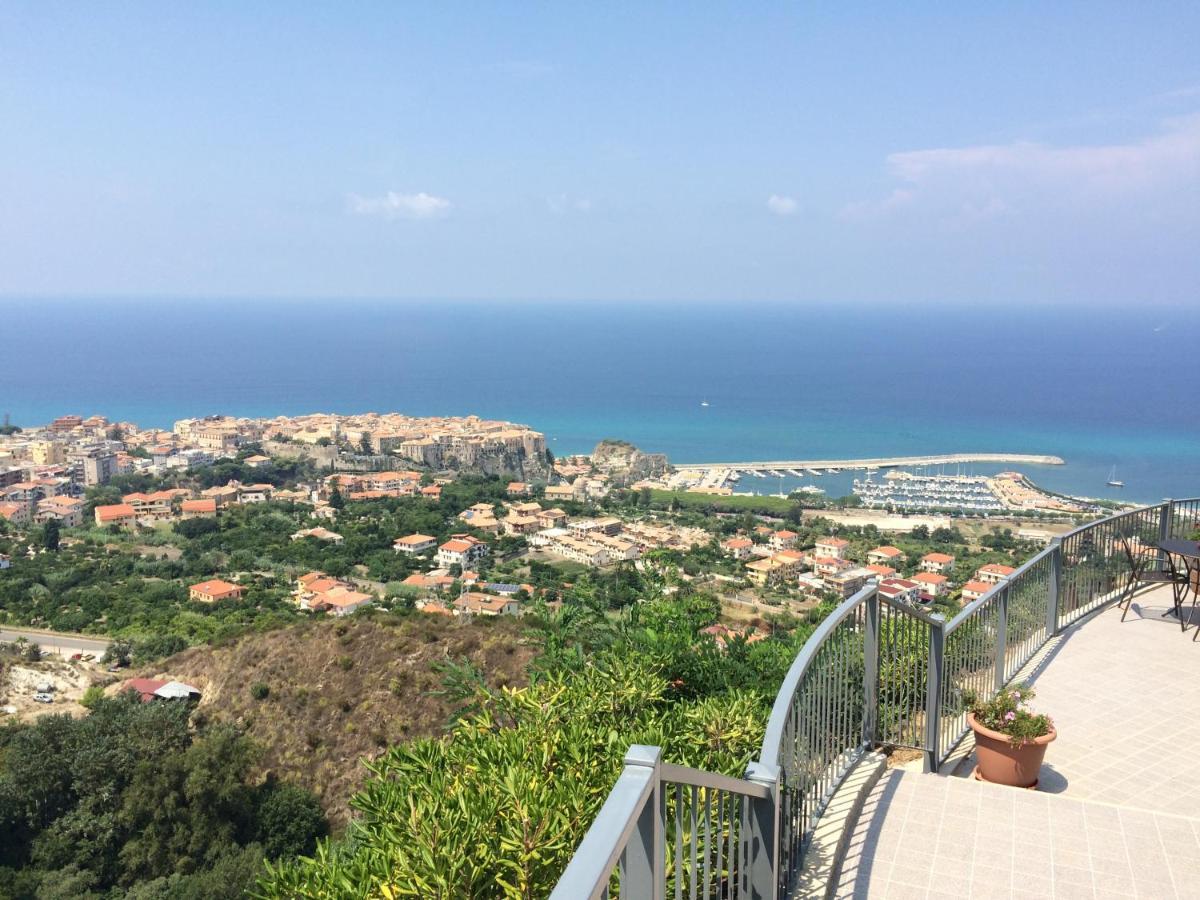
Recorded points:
(1002, 763)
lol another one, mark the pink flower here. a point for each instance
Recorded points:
(1016, 695)
(1009, 716)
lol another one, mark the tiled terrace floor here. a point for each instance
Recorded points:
(1118, 812)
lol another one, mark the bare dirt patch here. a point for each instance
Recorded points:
(21, 679)
(338, 692)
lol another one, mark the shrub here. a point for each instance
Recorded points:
(92, 696)
(260, 690)
(1007, 713)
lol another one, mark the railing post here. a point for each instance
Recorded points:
(762, 831)
(1055, 587)
(1166, 518)
(643, 863)
(933, 692)
(1001, 635)
(871, 670)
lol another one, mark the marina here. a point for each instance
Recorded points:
(905, 491)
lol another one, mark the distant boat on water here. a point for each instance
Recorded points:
(1113, 481)
(704, 403)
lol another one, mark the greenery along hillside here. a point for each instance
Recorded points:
(320, 696)
(132, 802)
(496, 808)
(135, 584)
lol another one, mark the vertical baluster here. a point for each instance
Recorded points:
(720, 841)
(694, 854)
(708, 842)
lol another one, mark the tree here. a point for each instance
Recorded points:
(336, 500)
(118, 653)
(289, 820)
(50, 535)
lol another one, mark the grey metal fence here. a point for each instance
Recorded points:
(874, 672)
(672, 831)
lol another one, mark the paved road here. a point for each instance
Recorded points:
(63, 644)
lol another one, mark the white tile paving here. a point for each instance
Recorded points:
(1118, 812)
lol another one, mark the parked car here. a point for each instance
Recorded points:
(43, 698)
(76, 656)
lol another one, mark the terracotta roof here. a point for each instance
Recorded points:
(977, 587)
(215, 587)
(206, 505)
(997, 569)
(115, 511)
(937, 557)
(414, 539)
(888, 550)
(929, 578)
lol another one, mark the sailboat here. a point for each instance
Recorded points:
(1112, 479)
(704, 403)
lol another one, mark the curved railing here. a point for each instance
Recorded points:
(875, 672)
(833, 706)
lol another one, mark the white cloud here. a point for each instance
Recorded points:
(780, 205)
(1166, 154)
(987, 180)
(393, 205)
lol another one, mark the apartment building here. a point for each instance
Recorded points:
(993, 573)
(932, 583)
(414, 543)
(831, 547)
(67, 510)
(937, 563)
(120, 514)
(461, 550)
(738, 547)
(782, 540)
(886, 556)
(973, 590)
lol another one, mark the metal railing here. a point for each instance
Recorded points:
(668, 830)
(875, 672)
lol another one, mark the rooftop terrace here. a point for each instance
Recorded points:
(1117, 811)
(818, 815)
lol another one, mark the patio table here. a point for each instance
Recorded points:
(1189, 553)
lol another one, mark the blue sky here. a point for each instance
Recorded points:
(886, 153)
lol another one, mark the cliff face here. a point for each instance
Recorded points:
(625, 463)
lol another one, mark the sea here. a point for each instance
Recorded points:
(1111, 390)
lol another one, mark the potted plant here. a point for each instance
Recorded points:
(1010, 739)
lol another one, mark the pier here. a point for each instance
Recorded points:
(815, 466)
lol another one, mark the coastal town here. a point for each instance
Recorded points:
(528, 526)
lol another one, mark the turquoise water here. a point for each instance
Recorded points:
(1099, 388)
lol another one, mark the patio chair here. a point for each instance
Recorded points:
(1145, 571)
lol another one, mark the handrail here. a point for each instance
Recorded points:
(714, 781)
(590, 869)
